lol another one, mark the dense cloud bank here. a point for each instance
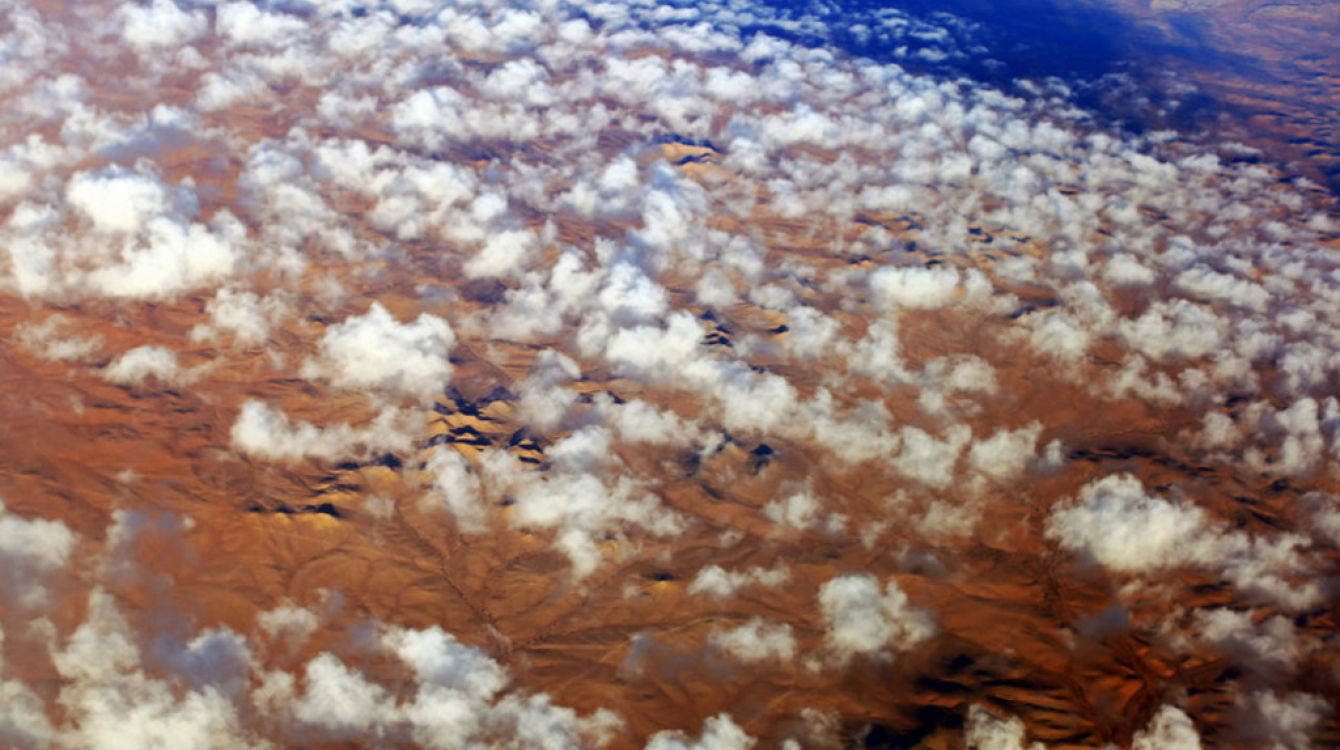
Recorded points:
(667, 234)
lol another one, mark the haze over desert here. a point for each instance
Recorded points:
(669, 375)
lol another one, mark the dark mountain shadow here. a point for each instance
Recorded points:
(1018, 39)
(1023, 38)
(1001, 43)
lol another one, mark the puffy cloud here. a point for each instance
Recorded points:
(928, 460)
(496, 115)
(988, 732)
(953, 375)
(719, 733)
(810, 333)
(1293, 435)
(295, 220)
(580, 503)
(876, 354)
(1124, 269)
(1134, 379)
(1126, 529)
(288, 622)
(31, 550)
(113, 701)
(267, 432)
(1277, 722)
(1324, 512)
(57, 338)
(161, 24)
(1005, 455)
(246, 24)
(628, 295)
(142, 363)
(653, 352)
(138, 238)
(439, 660)
(757, 640)
(861, 620)
(542, 308)
(1175, 329)
(1058, 334)
(544, 401)
(613, 192)
(1170, 729)
(195, 693)
(428, 117)
(23, 720)
(457, 486)
(637, 421)
(852, 435)
(914, 287)
(456, 700)
(1270, 644)
(503, 254)
(1275, 568)
(716, 581)
(30, 45)
(796, 510)
(1208, 284)
(374, 351)
(171, 257)
(245, 316)
(715, 289)
(340, 701)
(118, 200)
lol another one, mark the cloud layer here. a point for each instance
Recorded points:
(600, 303)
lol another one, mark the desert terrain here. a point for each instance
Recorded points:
(664, 375)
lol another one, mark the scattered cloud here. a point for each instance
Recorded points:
(58, 338)
(719, 733)
(32, 549)
(859, 619)
(712, 212)
(1125, 529)
(142, 363)
(718, 582)
(755, 641)
(1170, 729)
(264, 431)
(989, 732)
(1277, 721)
(375, 351)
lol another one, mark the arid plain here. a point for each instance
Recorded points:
(660, 375)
